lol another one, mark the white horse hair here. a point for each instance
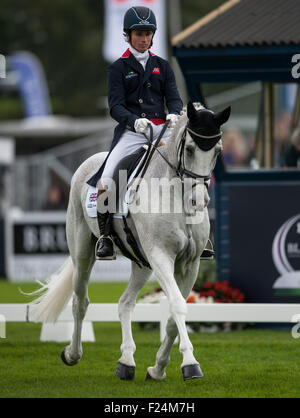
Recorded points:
(170, 244)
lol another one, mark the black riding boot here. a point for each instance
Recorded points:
(104, 248)
(208, 254)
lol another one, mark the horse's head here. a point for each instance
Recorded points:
(203, 138)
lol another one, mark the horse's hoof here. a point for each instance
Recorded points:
(148, 377)
(124, 372)
(63, 357)
(191, 371)
(154, 374)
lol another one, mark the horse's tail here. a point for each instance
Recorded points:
(53, 295)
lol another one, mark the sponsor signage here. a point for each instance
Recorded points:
(36, 247)
(32, 84)
(286, 257)
(263, 235)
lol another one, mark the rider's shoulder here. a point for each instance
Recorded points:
(120, 61)
(161, 60)
(116, 65)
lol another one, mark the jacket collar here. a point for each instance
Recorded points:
(129, 57)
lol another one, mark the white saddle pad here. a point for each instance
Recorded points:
(92, 194)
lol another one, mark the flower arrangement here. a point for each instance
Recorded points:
(220, 292)
(209, 292)
(215, 292)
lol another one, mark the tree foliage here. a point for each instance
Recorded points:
(67, 37)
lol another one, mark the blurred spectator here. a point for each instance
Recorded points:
(235, 152)
(282, 129)
(55, 199)
(292, 156)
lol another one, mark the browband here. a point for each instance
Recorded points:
(204, 136)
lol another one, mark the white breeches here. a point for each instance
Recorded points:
(128, 144)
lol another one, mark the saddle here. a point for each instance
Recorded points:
(133, 165)
(139, 160)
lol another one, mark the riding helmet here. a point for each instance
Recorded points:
(139, 18)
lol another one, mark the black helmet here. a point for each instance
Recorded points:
(139, 18)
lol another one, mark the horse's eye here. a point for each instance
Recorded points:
(190, 150)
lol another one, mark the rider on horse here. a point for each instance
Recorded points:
(139, 85)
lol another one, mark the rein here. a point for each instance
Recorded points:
(180, 170)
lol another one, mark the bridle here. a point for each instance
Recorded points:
(180, 170)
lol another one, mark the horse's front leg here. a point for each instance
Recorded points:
(163, 267)
(126, 364)
(185, 280)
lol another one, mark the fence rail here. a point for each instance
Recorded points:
(159, 312)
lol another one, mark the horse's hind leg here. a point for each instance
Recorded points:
(163, 355)
(126, 364)
(82, 253)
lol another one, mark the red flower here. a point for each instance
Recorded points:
(221, 292)
(208, 285)
(240, 298)
(211, 293)
(191, 299)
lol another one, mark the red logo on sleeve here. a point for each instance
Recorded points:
(156, 70)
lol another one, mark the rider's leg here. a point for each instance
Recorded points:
(104, 248)
(128, 144)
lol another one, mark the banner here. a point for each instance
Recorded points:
(32, 84)
(36, 246)
(264, 241)
(2, 66)
(114, 43)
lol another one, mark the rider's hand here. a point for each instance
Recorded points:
(173, 119)
(141, 125)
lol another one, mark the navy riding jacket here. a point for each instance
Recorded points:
(135, 93)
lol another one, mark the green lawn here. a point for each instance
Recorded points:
(249, 363)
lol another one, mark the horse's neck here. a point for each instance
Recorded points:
(158, 166)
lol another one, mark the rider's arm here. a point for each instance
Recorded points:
(116, 99)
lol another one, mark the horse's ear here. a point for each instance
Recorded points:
(191, 111)
(223, 116)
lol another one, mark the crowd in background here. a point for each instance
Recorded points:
(238, 150)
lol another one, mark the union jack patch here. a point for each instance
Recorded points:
(156, 70)
(93, 197)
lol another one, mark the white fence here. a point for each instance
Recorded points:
(154, 312)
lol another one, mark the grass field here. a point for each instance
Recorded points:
(249, 363)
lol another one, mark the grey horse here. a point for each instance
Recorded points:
(171, 239)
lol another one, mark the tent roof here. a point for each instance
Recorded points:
(245, 23)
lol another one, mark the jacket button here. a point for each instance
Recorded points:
(143, 115)
(141, 100)
(156, 114)
(148, 84)
(151, 100)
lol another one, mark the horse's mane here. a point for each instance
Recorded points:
(182, 120)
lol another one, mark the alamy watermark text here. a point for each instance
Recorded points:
(2, 66)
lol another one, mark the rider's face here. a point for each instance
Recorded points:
(141, 39)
